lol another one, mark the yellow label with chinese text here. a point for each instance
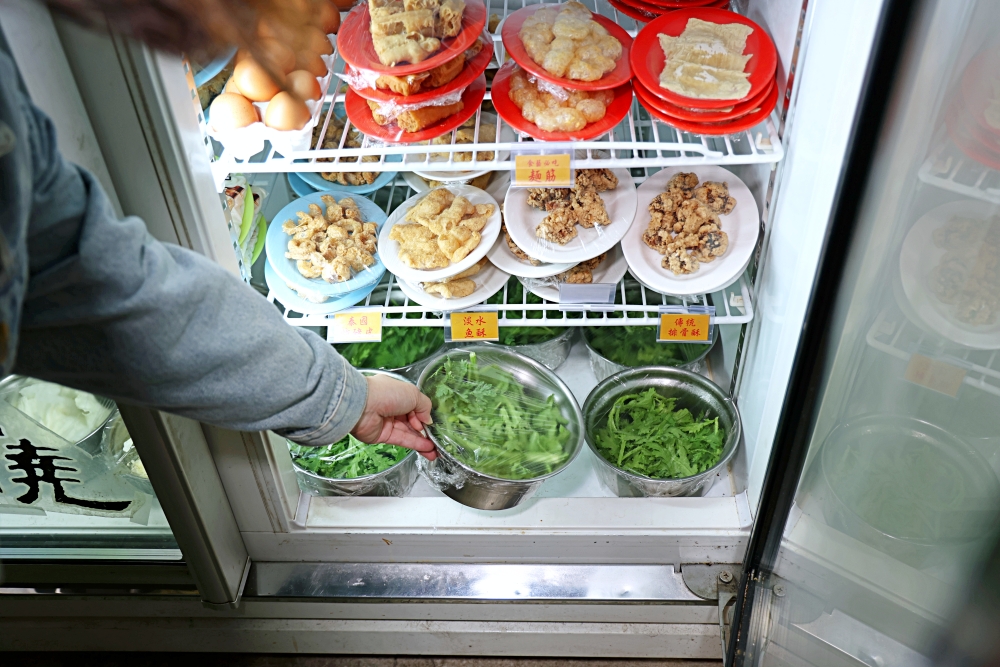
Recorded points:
(550, 171)
(357, 327)
(680, 327)
(936, 375)
(474, 326)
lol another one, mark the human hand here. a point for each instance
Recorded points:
(395, 413)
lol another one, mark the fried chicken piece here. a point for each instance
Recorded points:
(588, 207)
(684, 180)
(418, 247)
(691, 215)
(712, 244)
(658, 240)
(600, 180)
(455, 289)
(559, 226)
(516, 250)
(679, 261)
(662, 212)
(547, 199)
(458, 243)
(716, 197)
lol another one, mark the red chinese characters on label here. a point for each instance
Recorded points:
(552, 170)
(475, 326)
(357, 327)
(683, 327)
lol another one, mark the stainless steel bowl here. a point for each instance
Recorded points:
(694, 392)
(481, 491)
(552, 353)
(394, 481)
(604, 367)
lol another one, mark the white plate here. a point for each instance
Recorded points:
(496, 189)
(501, 255)
(741, 226)
(389, 249)
(415, 160)
(611, 270)
(418, 184)
(919, 256)
(523, 219)
(489, 281)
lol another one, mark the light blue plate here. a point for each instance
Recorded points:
(292, 301)
(298, 186)
(276, 243)
(317, 182)
(213, 68)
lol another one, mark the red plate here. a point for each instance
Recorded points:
(618, 109)
(727, 127)
(974, 88)
(969, 138)
(621, 74)
(686, 4)
(470, 72)
(648, 59)
(360, 114)
(680, 113)
(632, 12)
(354, 40)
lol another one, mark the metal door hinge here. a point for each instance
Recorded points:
(715, 582)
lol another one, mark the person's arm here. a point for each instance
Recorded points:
(111, 310)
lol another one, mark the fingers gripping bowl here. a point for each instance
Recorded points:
(503, 424)
(673, 389)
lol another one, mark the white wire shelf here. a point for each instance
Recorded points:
(895, 335)
(950, 169)
(637, 141)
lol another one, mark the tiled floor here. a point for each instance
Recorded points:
(242, 660)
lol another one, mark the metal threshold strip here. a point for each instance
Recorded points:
(470, 582)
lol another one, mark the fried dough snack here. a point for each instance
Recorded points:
(457, 286)
(331, 244)
(684, 224)
(414, 120)
(550, 113)
(332, 140)
(412, 30)
(444, 230)
(411, 84)
(569, 43)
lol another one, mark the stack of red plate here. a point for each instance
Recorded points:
(354, 42)
(698, 115)
(617, 80)
(968, 119)
(647, 10)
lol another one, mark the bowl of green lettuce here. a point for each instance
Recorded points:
(526, 332)
(660, 431)
(613, 349)
(403, 350)
(503, 423)
(350, 467)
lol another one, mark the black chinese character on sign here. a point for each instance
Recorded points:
(38, 468)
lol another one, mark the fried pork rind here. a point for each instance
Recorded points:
(567, 42)
(458, 285)
(353, 140)
(569, 113)
(451, 224)
(684, 223)
(332, 243)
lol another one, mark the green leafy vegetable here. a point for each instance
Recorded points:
(485, 419)
(528, 335)
(637, 346)
(646, 434)
(348, 459)
(400, 346)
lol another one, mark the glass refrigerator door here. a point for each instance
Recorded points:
(881, 495)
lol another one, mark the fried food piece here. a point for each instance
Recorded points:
(706, 60)
(469, 272)
(712, 244)
(449, 20)
(547, 199)
(430, 206)
(678, 261)
(455, 289)
(414, 120)
(466, 134)
(662, 212)
(579, 274)
(418, 247)
(395, 49)
(601, 180)
(691, 215)
(557, 114)
(594, 262)
(716, 196)
(588, 207)
(458, 243)
(567, 42)
(559, 226)
(478, 220)
(515, 249)
(353, 140)
(417, 22)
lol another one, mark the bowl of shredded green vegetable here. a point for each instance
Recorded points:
(403, 350)
(350, 467)
(503, 424)
(660, 431)
(613, 349)
(548, 345)
(904, 486)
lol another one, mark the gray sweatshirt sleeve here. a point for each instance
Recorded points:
(111, 310)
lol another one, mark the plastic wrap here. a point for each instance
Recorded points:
(659, 431)
(550, 346)
(389, 110)
(116, 445)
(247, 230)
(613, 349)
(243, 143)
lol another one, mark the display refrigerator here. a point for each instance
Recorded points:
(854, 348)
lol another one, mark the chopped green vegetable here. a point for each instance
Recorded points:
(646, 434)
(528, 335)
(485, 419)
(637, 346)
(348, 459)
(400, 346)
